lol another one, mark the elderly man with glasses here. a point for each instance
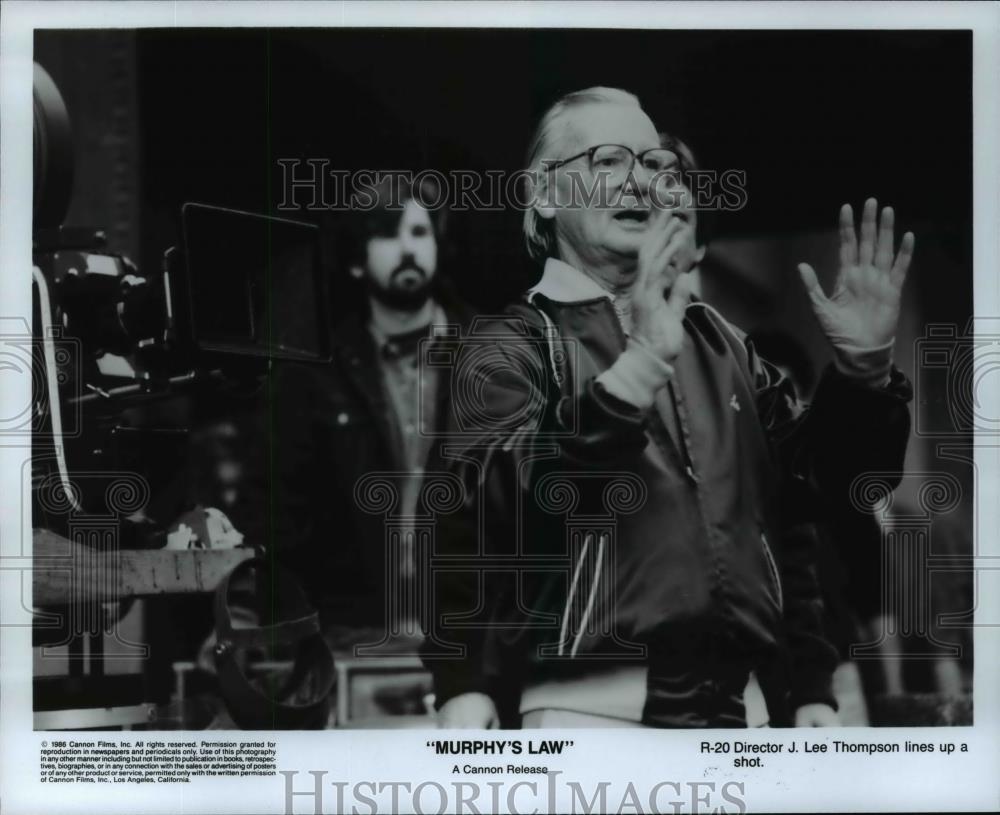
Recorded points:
(631, 463)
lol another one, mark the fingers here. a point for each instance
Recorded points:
(680, 296)
(866, 251)
(877, 240)
(668, 228)
(811, 282)
(669, 272)
(659, 216)
(899, 269)
(884, 246)
(660, 246)
(848, 237)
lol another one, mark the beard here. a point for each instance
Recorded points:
(409, 288)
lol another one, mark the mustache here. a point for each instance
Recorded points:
(406, 265)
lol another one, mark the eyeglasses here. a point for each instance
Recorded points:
(616, 160)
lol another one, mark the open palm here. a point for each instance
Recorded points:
(863, 310)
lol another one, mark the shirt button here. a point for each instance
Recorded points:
(342, 418)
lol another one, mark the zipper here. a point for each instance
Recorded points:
(772, 567)
(683, 434)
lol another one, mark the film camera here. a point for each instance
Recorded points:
(121, 359)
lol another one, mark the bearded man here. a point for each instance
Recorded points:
(374, 409)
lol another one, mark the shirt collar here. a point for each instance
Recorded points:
(563, 283)
(397, 345)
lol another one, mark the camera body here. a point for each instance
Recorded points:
(119, 317)
(143, 384)
(123, 361)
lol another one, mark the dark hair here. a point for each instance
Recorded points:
(378, 210)
(705, 221)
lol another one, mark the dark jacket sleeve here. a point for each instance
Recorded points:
(848, 430)
(811, 658)
(591, 427)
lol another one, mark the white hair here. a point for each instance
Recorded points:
(538, 231)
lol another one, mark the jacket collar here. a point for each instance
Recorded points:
(359, 361)
(391, 343)
(562, 283)
(565, 284)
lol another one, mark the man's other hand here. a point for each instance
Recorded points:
(469, 711)
(816, 715)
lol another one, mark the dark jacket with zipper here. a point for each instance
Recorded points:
(330, 426)
(694, 496)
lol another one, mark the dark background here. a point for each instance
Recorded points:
(814, 118)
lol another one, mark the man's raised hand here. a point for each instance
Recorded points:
(657, 322)
(862, 312)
